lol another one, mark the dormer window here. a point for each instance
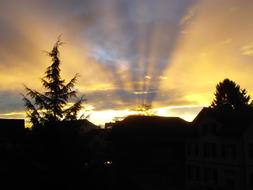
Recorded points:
(209, 128)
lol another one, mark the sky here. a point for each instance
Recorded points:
(168, 53)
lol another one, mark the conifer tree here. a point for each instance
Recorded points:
(52, 105)
(229, 95)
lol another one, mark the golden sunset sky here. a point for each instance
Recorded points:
(168, 53)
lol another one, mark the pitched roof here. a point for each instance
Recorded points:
(153, 127)
(233, 122)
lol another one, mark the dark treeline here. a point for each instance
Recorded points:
(62, 151)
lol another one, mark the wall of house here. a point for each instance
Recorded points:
(247, 139)
(214, 161)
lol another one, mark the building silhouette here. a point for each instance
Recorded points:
(220, 154)
(11, 129)
(214, 151)
(149, 151)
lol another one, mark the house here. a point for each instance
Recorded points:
(220, 154)
(150, 151)
(10, 129)
(84, 125)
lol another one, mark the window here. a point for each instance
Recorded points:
(211, 175)
(193, 172)
(229, 183)
(250, 151)
(209, 128)
(233, 151)
(189, 172)
(213, 128)
(224, 152)
(251, 180)
(215, 176)
(229, 152)
(196, 149)
(213, 150)
(192, 149)
(207, 174)
(189, 148)
(197, 173)
(209, 150)
(206, 150)
(205, 129)
(229, 172)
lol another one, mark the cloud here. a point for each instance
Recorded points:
(211, 50)
(10, 101)
(143, 41)
(128, 52)
(186, 112)
(247, 50)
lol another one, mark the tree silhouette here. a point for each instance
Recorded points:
(229, 95)
(52, 105)
(145, 109)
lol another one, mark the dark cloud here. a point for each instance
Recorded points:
(109, 99)
(104, 99)
(10, 101)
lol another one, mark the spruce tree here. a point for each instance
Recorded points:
(51, 106)
(230, 96)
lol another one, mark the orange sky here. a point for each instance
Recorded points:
(170, 54)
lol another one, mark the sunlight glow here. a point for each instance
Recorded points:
(172, 58)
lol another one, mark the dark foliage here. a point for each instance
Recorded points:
(51, 106)
(230, 96)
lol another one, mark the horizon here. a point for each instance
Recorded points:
(169, 54)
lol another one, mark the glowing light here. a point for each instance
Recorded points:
(148, 77)
(143, 92)
(108, 162)
(163, 78)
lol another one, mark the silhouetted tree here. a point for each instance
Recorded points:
(145, 109)
(51, 106)
(229, 95)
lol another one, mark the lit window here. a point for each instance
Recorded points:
(108, 162)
